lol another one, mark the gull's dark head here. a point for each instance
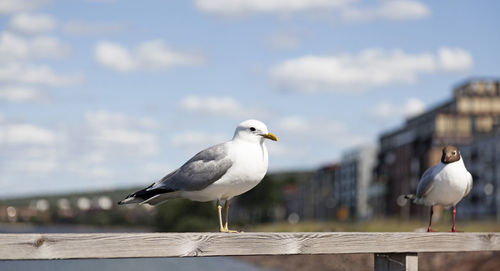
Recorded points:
(450, 154)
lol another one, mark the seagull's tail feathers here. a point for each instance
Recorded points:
(161, 198)
(130, 200)
(410, 196)
(150, 196)
(414, 199)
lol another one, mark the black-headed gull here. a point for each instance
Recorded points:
(217, 173)
(444, 184)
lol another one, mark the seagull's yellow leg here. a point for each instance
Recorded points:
(219, 211)
(226, 213)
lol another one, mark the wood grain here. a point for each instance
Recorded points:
(140, 245)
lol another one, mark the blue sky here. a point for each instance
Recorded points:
(104, 94)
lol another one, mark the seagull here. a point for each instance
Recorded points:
(219, 173)
(445, 184)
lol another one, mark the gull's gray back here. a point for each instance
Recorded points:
(426, 183)
(203, 169)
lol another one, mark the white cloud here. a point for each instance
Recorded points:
(346, 10)
(14, 6)
(49, 47)
(114, 56)
(114, 134)
(312, 140)
(243, 7)
(105, 149)
(106, 141)
(413, 106)
(111, 120)
(17, 73)
(14, 47)
(18, 76)
(210, 105)
(382, 111)
(13, 93)
(126, 137)
(27, 148)
(32, 23)
(87, 28)
(155, 55)
(149, 55)
(396, 10)
(101, 119)
(29, 159)
(386, 111)
(42, 164)
(220, 106)
(368, 69)
(454, 59)
(90, 171)
(19, 134)
(403, 10)
(302, 129)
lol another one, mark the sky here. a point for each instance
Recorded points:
(104, 94)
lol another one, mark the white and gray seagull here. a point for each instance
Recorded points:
(445, 184)
(217, 173)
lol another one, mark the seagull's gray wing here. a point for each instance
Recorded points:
(426, 183)
(203, 169)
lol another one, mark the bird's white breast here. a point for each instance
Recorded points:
(450, 184)
(250, 162)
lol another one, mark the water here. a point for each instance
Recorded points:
(142, 264)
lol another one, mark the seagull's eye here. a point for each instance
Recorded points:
(454, 153)
(252, 129)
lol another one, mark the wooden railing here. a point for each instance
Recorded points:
(393, 251)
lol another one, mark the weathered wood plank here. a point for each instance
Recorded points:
(133, 245)
(411, 260)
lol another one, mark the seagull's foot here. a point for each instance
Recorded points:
(454, 230)
(228, 230)
(430, 230)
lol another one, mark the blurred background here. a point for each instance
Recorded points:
(99, 98)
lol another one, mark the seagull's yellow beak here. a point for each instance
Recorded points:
(270, 136)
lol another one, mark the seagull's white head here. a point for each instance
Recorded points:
(253, 130)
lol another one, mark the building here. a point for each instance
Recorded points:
(340, 191)
(408, 151)
(319, 196)
(483, 161)
(355, 177)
